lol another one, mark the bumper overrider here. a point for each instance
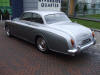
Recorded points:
(80, 49)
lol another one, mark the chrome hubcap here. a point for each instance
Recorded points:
(41, 44)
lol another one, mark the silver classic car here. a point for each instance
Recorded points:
(51, 30)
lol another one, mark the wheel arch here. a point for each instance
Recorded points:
(37, 36)
(6, 25)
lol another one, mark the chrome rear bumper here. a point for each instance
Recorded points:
(79, 49)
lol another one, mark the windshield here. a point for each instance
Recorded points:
(58, 17)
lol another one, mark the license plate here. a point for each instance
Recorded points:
(86, 41)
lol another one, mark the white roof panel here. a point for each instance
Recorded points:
(43, 13)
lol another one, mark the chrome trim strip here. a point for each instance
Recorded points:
(79, 49)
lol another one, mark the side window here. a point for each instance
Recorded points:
(27, 16)
(37, 18)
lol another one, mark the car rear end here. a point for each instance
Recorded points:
(82, 42)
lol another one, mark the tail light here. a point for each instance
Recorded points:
(72, 42)
(93, 34)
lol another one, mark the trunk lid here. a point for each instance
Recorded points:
(76, 31)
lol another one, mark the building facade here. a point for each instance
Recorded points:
(13, 8)
(46, 5)
(30, 5)
(5, 9)
(93, 6)
(89, 1)
(5, 4)
(17, 7)
(50, 5)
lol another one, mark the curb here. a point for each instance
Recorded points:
(85, 19)
(96, 30)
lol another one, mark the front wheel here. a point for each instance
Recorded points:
(41, 45)
(7, 31)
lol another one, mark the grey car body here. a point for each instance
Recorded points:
(57, 35)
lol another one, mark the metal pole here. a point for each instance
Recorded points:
(68, 7)
(9, 17)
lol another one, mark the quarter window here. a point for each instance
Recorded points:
(37, 18)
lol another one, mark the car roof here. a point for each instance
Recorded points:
(43, 13)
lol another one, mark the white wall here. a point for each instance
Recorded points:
(30, 4)
(46, 5)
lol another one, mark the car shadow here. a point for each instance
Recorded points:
(80, 56)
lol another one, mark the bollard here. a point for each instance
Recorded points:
(1, 18)
(9, 17)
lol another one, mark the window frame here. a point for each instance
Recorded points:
(40, 17)
(21, 18)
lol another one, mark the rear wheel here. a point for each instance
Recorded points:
(41, 45)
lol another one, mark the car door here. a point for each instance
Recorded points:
(29, 24)
(25, 26)
(32, 27)
(20, 26)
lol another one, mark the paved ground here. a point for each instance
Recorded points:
(18, 57)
